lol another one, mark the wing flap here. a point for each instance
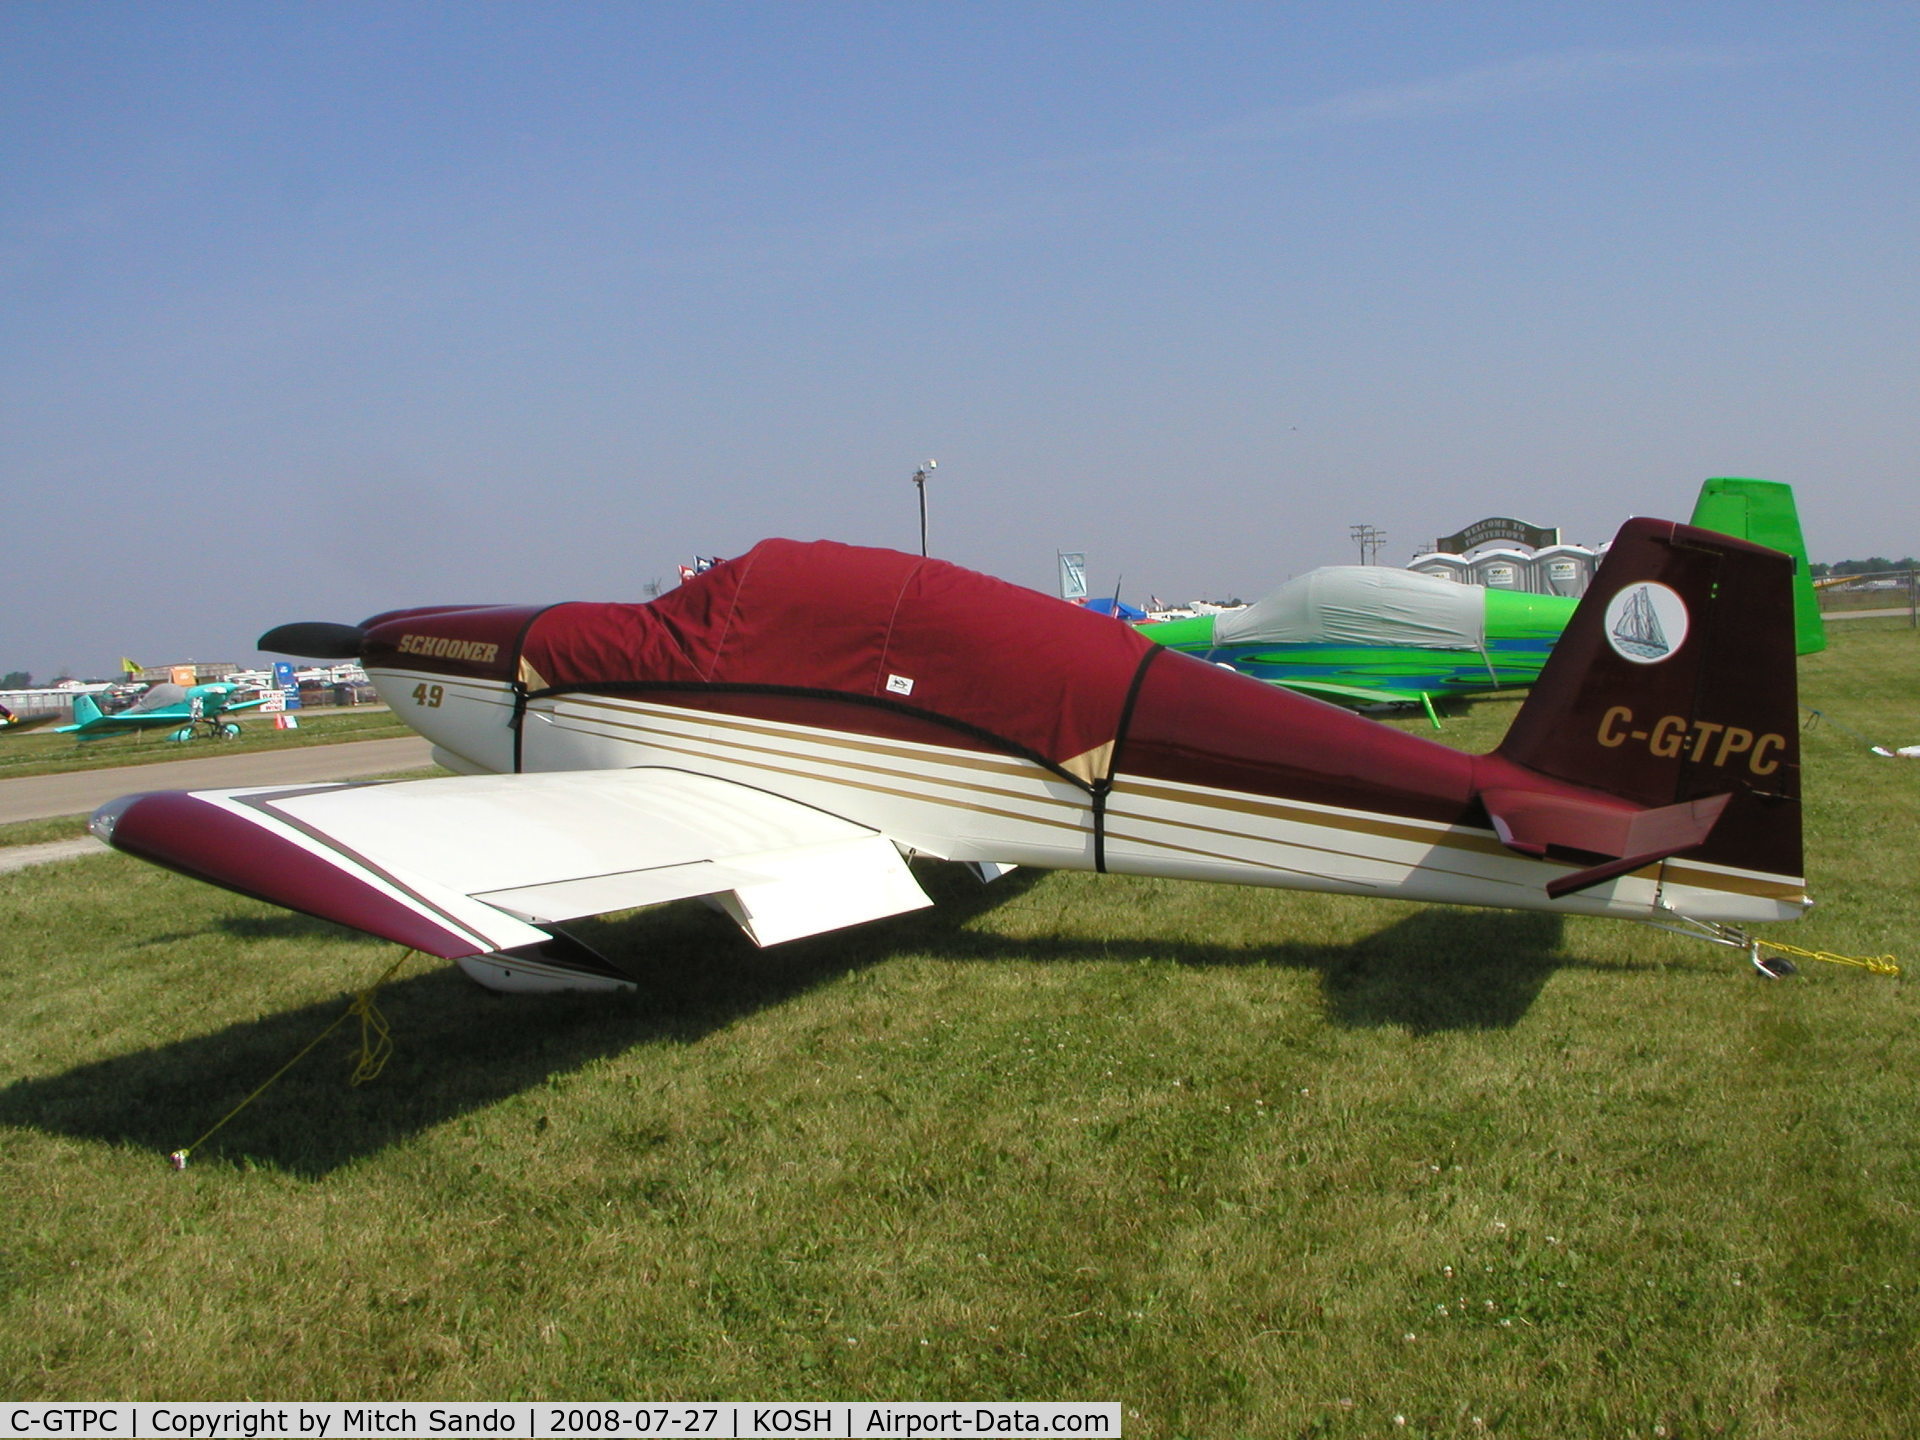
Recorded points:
(598, 894)
(828, 888)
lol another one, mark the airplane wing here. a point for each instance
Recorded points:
(467, 867)
(1348, 694)
(1357, 695)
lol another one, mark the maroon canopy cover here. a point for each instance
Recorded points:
(894, 629)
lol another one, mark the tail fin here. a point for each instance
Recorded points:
(85, 710)
(1674, 686)
(1763, 511)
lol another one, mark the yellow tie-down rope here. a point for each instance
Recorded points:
(1716, 933)
(376, 1047)
(1878, 964)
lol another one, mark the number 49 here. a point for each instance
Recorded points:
(428, 695)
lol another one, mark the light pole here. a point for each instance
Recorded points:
(920, 484)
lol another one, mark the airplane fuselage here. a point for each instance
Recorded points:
(1216, 778)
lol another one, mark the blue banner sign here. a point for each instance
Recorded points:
(288, 686)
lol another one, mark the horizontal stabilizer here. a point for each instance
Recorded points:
(1534, 821)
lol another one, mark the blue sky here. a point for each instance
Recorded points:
(309, 311)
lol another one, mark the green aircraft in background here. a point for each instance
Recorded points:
(1763, 511)
(1372, 635)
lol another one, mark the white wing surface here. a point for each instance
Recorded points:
(470, 865)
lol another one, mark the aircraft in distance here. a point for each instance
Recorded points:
(12, 724)
(781, 733)
(187, 711)
(1374, 635)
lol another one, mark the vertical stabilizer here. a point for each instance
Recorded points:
(1674, 683)
(1763, 511)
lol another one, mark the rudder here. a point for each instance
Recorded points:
(1675, 682)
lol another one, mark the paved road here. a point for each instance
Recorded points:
(41, 797)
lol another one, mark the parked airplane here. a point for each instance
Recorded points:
(1375, 635)
(187, 710)
(12, 724)
(780, 732)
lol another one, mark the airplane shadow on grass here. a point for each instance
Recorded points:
(460, 1049)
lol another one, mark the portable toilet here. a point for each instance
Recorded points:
(1442, 565)
(1500, 568)
(1563, 570)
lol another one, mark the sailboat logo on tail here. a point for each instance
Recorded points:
(1646, 623)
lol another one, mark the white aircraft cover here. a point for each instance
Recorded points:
(544, 848)
(1361, 605)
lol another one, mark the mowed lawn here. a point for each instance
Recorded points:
(1251, 1163)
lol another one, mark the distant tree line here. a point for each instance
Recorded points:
(21, 680)
(1872, 565)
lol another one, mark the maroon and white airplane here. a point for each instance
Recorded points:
(780, 732)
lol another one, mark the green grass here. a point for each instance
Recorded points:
(1839, 600)
(1251, 1163)
(35, 832)
(41, 752)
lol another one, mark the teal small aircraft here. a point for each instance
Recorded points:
(187, 711)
